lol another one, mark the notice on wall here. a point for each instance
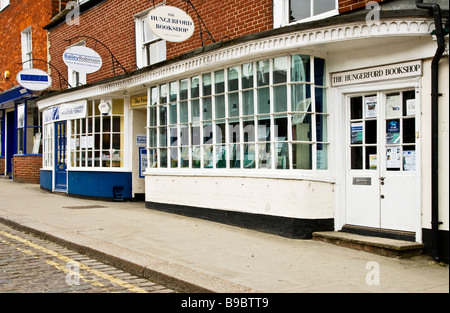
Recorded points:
(357, 133)
(143, 161)
(371, 106)
(393, 157)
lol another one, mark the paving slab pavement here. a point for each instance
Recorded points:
(194, 255)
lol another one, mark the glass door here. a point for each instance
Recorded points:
(60, 159)
(381, 160)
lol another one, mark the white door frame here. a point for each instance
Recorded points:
(340, 96)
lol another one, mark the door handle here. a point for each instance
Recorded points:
(382, 178)
(382, 196)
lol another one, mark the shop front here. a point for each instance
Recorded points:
(312, 129)
(20, 135)
(86, 147)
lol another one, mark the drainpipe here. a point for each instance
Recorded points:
(436, 10)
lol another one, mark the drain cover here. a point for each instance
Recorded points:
(77, 207)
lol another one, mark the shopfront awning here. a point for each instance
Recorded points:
(8, 97)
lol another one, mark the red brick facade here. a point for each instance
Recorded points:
(15, 18)
(349, 5)
(26, 168)
(112, 23)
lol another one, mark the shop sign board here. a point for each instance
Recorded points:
(82, 59)
(66, 111)
(171, 23)
(138, 101)
(373, 74)
(34, 79)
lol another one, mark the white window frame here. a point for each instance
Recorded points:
(143, 58)
(281, 13)
(3, 4)
(75, 78)
(27, 47)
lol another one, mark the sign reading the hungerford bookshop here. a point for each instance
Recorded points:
(171, 23)
(373, 74)
(34, 79)
(82, 59)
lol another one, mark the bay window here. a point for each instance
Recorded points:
(269, 114)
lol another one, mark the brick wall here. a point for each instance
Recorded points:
(112, 23)
(14, 19)
(2, 166)
(26, 168)
(349, 5)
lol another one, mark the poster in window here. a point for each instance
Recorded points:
(409, 160)
(356, 133)
(393, 157)
(411, 107)
(373, 161)
(393, 132)
(371, 106)
(393, 106)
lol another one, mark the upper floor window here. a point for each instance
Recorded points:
(150, 49)
(27, 48)
(76, 78)
(294, 11)
(3, 4)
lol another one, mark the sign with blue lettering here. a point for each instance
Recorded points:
(34, 79)
(171, 23)
(143, 161)
(82, 59)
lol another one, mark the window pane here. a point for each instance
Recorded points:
(173, 113)
(233, 104)
(280, 127)
(263, 100)
(263, 128)
(356, 108)
(220, 131)
(409, 130)
(235, 156)
(321, 128)
(196, 157)
(233, 79)
(207, 108)
(219, 77)
(299, 9)
(163, 94)
(301, 127)
(206, 82)
(322, 156)
(208, 157)
(220, 106)
(249, 130)
(184, 157)
(184, 112)
(247, 76)
(321, 100)
(356, 158)
(195, 111)
(249, 156)
(264, 156)
(280, 70)
(280, 98)
(322, 6)
(234, 130)
(184, 89)
(248, 103)
(221, 157)
(195, 91)
(300, 68)
(281, 155)
(263, 72)
(301, 98)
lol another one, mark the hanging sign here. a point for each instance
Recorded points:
(171, 23)
(82, 59)
(34, 79)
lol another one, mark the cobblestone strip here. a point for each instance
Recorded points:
(31, 264)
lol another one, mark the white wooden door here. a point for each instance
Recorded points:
(381, 160)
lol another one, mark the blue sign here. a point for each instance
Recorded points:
(143, 161)
(393, 127)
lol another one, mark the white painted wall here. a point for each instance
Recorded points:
(278, 197)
